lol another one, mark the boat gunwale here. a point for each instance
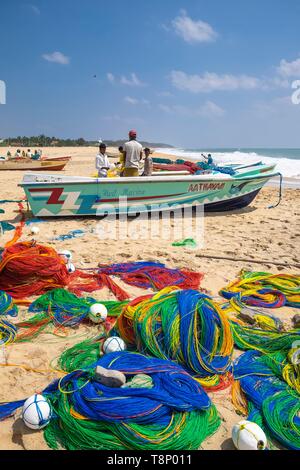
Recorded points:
(151, 179)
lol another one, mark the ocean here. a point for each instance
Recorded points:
(287, 160)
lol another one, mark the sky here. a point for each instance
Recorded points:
(189, 73)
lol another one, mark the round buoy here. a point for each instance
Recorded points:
(34, 230)
(71, 268)
(248, 436)
(36, 412)
(113, 344)
(66, 254)
(98, 313)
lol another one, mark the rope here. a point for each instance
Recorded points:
(4, 201)
(19, 228)
(245, 260)
(280, 192)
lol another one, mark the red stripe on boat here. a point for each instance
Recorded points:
(139, 198)
(55, 194)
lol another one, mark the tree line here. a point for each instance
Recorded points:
(44, 141)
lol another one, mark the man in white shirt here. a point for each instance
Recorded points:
(102, 162)
(133, 154)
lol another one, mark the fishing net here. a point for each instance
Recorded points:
(58, 309)
(7, 329)
(270, 384)
(170, 412)
(185, 326)
(265, 290)
(152, 275)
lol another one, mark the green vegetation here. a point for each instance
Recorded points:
(44, 141)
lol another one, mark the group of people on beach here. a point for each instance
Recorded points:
(33, 156)
(130, 158)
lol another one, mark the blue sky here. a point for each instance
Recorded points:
(190, 73)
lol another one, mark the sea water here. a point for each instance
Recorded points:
(287, 160)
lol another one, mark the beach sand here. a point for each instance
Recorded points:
(255, 233)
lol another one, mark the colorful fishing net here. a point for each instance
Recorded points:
(152, 275)
(254, 316)
(197, 168)
(273, 403)
(59, 309)
(27, 269)
(7, 307)
(247, 338)
(185, 326)
(173, 413)
(31, 269)
(265, 290)
(81, 355)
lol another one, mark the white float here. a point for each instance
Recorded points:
(113, 344)
(71, 268)
(34, 230)
(36, 412)
(98, 313)
(248, 436)
(66, 254)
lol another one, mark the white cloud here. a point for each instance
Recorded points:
(130, 100)
(110, 77)
(35, 9)
(135, 101)
(212, 82)
(289, 69)
(276, 82)
(208, 110)
(57, 57)
(132, 81)
(193, 31)
(211, 109)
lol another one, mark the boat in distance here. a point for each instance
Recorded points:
(52, 164)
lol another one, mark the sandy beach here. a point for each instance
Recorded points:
(252, 238)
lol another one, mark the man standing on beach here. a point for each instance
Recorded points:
(102, 162)
(133, 154)
(148, 164)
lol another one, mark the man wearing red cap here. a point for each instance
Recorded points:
(133, 155)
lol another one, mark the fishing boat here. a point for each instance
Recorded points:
(53, 164)
(55, 196)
